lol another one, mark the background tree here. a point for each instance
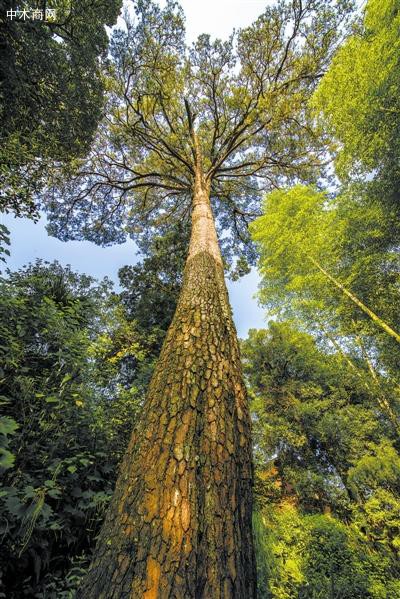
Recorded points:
(152, 286)
(51, 92)
(325, 257)
(67, 410)
(357, 101)
(352, 234)
(358, 98)
(331, 263)
(327, 471)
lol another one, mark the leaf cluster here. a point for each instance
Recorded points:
(51, 92)
(327, 472)
(68, 399)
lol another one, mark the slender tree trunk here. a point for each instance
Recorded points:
(377, 392)
(383, 402)
(381, 323)
(179, 525)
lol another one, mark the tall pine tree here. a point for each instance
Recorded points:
(193, 133)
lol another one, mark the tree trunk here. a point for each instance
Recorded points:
(377, 392)
(179, 524)
(381, 323)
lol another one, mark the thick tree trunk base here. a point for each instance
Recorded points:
(179, 525)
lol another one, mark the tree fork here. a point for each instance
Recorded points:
(179, 524)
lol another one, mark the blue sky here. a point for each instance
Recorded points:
(30, 241)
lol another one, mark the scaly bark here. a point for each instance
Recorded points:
(179, 525)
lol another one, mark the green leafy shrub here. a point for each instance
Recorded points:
(68, 398)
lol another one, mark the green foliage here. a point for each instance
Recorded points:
(51, 92)
(312, 557)
(359, 95)
(68, 362)
(151, 287)
(4, 241)
(319, 557)
(298, 225)
(379, 468)
(8, 426)
(327, 472)
(352, 239)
